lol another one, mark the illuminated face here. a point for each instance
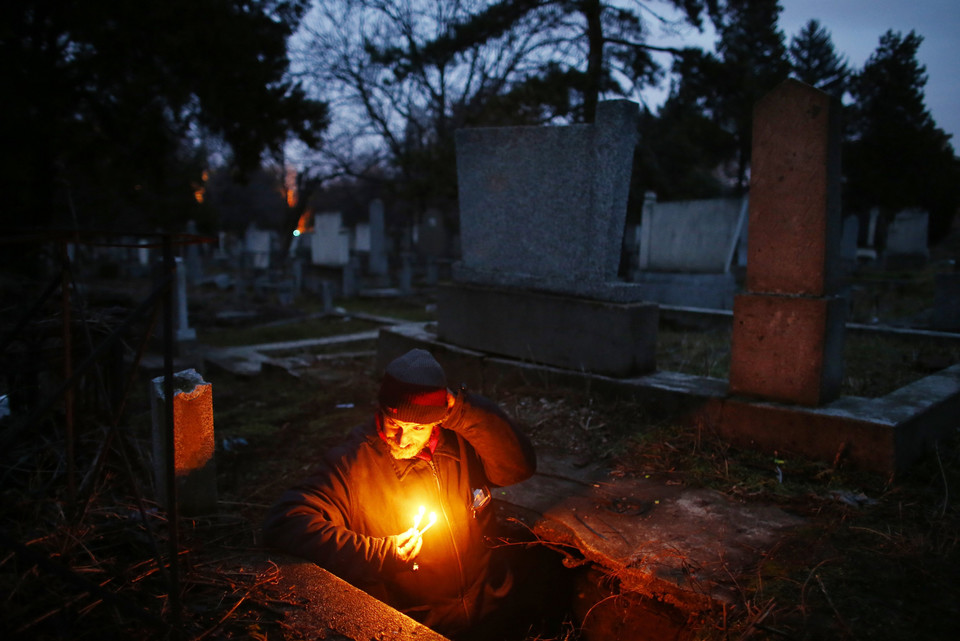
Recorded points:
(406, 439)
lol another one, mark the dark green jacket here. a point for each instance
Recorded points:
(343, 515)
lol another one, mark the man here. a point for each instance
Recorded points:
(400, 509)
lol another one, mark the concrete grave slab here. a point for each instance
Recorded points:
(330, 608)
(676, 545)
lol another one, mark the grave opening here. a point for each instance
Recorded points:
(560, 594)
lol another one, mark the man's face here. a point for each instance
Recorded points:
(406, 439)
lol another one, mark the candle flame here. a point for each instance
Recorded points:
(433, 519)
(418, 519)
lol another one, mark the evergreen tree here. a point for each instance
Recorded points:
(751, 48)
(105, 102)
(815, 61)
(683, 151)
(718, 92)
(896, 157)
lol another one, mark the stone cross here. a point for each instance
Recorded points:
(788, 325)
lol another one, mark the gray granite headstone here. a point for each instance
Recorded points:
(542, 217)
(545, 207)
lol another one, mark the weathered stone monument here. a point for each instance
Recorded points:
(542, 212)
(330, 242)
(687, 249)
(788, 325)
(378, 266)
(193, 442)
(907, 246)
(185, 333)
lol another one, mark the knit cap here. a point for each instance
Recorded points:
(414, 388)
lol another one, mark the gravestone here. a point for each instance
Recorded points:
(691, 235)
(687, 249)
(184, 332)
(330, 242)
(257, 244)
(788, 325)
(360, 239)
(378, 247)
(193, 442)
(542, 214)
(867, 250)
(545, 207)
(848, 245)
(432, 237)
(907, 240)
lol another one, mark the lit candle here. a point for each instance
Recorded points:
(433, 519)
(418, 519)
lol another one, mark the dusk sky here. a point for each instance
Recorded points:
(855, 27)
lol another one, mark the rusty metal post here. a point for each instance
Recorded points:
(68, 396)
(168, 350)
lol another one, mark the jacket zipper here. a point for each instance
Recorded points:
(453, 538)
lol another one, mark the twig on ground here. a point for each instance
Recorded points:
(943, 476)
(840, 619)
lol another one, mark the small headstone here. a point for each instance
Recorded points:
(330, 242)
(406, 274)
(691, 236)
(184, 332)
(193, 442)
(257, 243)
(907, 240)
(378, 252)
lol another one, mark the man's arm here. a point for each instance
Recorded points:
(308, 521)
(505, 452)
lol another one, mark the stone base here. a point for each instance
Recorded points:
(787, 348)
(612, 291)
(884, 435)
(564, 331)
(707, 291)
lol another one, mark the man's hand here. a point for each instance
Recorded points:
(454, 407)
(408, 544)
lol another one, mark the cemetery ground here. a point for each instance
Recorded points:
(878, 557)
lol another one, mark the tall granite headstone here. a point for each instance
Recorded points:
(788, 325)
